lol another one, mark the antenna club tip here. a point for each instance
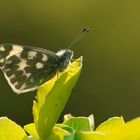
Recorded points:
(86, 29)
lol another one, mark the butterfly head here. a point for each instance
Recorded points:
(65, 57)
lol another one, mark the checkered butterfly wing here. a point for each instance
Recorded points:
(26, 68)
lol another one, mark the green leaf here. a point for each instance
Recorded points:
(112, 124)
(59, 133)
(79, 123)
(103, 130)
(52, 97)
(31, 129)
(90, 135)
(130, 131)
(9, 130)
(67, 128)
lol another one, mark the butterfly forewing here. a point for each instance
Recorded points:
(26, 68)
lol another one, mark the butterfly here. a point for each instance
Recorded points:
(27, 68)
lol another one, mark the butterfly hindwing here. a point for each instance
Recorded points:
(26, 68)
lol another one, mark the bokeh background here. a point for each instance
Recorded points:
(109, 84)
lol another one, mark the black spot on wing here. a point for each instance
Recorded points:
(13, 80)
(24, 54)
(12, 61)
(10, 70)
(18, 73)
(39, 56)
(31, 62)
(31, 69)
(21, 80)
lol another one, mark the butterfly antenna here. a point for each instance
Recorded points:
(79, 36)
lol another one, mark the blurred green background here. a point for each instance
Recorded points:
(109, 84)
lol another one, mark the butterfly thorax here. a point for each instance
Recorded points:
(65, 57)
